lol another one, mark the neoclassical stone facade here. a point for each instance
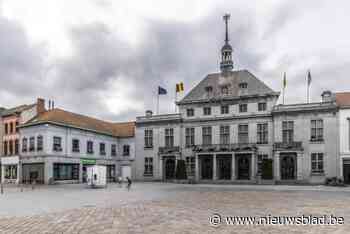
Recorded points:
(230, 125)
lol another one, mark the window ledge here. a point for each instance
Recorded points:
(316, 141)
(148, 175)
(317, 173)
(148, 147)
(262, 143)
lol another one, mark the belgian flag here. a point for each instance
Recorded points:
(180, 87)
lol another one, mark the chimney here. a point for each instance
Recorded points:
(40, 106)
(149, 113)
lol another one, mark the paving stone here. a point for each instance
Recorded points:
(188, 211)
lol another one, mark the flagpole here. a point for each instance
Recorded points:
(158, 103)
(175, 100)
(284, 86)
(308, 93)
(308, 85)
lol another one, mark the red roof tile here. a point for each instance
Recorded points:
(60, 116)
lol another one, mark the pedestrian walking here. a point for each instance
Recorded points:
(129, 183)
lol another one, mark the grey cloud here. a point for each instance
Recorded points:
(20, 64)
(170, 52)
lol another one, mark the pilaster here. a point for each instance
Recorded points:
(214, 167)
(233, 167)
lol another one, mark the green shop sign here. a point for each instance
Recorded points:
(88, 161)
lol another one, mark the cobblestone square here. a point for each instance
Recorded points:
(167, 208)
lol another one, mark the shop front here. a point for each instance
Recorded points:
(10, 169)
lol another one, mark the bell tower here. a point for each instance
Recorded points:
(226, 63)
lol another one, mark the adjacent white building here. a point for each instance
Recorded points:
(57, 147)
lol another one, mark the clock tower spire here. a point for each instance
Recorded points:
(226, 63)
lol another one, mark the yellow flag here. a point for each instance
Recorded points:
(180, 87)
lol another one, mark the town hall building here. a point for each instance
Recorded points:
(229, 123)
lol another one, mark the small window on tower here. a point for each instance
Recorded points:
(224, 90)
(243, 85)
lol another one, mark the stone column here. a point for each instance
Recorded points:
(176, 158)
(2, 172)
(233, 167)
(277, 166)
(299, 166)
(160, 168)
(214, 167)
(341, 169)
(196, 168)
(253, 164)
(19, 173)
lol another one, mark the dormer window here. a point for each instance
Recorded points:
(209, 90)
(224, 90)
(243, 85)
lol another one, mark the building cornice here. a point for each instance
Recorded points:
(224, 118)
(224, 99)
(305, 108)
(67, 126)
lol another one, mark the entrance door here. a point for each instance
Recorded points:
(84, 174)
(170, 169)
(346, 171)
(126, 172)
(224, 167)
(207, 167)
(243, 163)
(288, 166)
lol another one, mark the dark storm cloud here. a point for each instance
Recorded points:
(20, 62)
(170, 52)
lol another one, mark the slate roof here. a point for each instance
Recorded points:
(231, 79)
(343, 99)
(17, 109)
(70, 119)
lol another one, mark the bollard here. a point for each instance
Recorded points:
(2, 188)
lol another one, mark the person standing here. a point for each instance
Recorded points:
(129, 183)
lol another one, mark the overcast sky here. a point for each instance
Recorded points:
(106, 58)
